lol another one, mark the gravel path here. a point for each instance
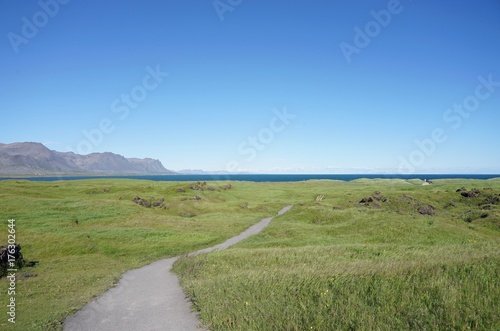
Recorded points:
(149, 298)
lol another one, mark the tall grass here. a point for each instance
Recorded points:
(446, 296)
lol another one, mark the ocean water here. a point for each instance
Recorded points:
(265, 178)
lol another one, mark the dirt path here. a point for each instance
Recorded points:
(149, 298)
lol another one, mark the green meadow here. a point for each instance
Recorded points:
(410, 257)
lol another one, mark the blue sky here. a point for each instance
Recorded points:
(261, 86)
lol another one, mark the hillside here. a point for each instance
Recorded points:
(31, 158)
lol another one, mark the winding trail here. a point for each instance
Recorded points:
(149, 298)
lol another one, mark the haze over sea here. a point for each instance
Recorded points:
(269, 177)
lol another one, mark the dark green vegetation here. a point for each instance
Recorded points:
(329, 263)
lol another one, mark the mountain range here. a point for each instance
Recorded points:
(31, 158)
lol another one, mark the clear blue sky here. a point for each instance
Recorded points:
(347, 102)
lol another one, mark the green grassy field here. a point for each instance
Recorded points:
(85, 234)
(325, 265)
(337, 264)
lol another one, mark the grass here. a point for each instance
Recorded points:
(333, 264)
(85, 234)
(340, 265)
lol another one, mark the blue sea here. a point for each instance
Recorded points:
(265, 178)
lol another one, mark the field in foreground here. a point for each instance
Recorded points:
(410, 257)
(85, 234)
(330, 263)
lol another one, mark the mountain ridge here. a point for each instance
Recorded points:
(34, 158)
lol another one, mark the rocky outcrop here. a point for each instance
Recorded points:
(374, 200)
(474, 193)
(160, 203)
(199, 186)
(490, 198)
(426, 210)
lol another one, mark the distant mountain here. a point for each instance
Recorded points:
(31, 158)
(192, 172)
(203, 172)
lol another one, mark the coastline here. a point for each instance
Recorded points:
(252, 177)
